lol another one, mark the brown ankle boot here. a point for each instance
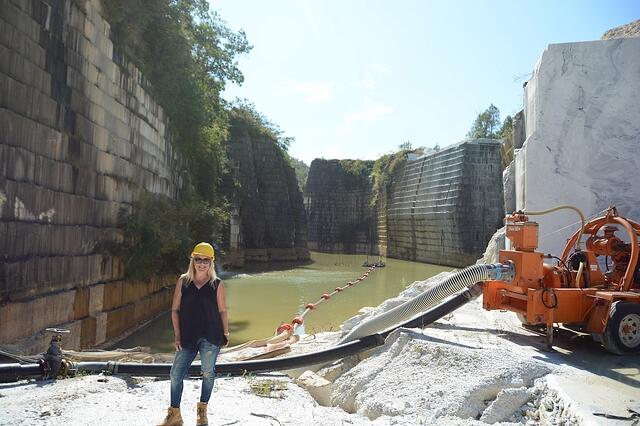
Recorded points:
(173, 418)
(202, 414)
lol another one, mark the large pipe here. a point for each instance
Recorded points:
(443, 309)
(431, 297)
(244, 367)
(13, 372)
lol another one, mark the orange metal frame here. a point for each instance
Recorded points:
(547, 294)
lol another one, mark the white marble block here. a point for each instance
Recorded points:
(582, 135)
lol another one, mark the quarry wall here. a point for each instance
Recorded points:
(339, 214)
(442, 207)
(81, 137)
(268, 221)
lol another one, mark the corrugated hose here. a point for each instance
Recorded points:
(457, 282)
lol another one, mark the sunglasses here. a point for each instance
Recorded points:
(201, 261)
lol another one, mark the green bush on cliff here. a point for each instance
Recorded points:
(185, 51)
(357, 173)
(246, 119)
(383, 171)
(302, 172)
(160, 233)
(187, 54)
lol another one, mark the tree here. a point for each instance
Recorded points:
(507, 128)
(486, 125)
(507, 142)
(246, 111)
(405, 146)
(186, 52)
(186, 55)
(302, 171)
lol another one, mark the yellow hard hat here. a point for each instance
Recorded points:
(203, 249)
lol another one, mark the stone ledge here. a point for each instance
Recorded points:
(80, 311)
(38, 276)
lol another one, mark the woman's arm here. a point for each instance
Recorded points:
(222, 308)
(175, 313)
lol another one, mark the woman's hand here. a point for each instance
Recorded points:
(225, 340)
(178, 345)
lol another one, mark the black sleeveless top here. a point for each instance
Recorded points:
(199, 315)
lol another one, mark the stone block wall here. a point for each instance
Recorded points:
(340, 217)
(443, 207)
(268, 221)
(80, 138)
(582, 136)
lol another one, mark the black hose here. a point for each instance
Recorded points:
(242, 367)
(434, 314)
(13, 372)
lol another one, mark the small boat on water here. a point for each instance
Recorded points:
(378, 264)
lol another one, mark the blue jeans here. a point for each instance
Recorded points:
(180, 369)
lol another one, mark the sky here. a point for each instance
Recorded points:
(356, 78)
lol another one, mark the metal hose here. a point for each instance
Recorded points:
(431, 297)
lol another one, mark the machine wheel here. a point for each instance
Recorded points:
(622, 335)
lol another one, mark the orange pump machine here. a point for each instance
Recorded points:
(596, 290)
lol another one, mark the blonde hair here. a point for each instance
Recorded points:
(190, 275)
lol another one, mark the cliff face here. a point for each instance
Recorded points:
(443, 207)
(82, 137)
(337, 199)
(268, 220)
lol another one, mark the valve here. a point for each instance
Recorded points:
(53, 362)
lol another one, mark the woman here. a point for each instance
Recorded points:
(199, 317)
